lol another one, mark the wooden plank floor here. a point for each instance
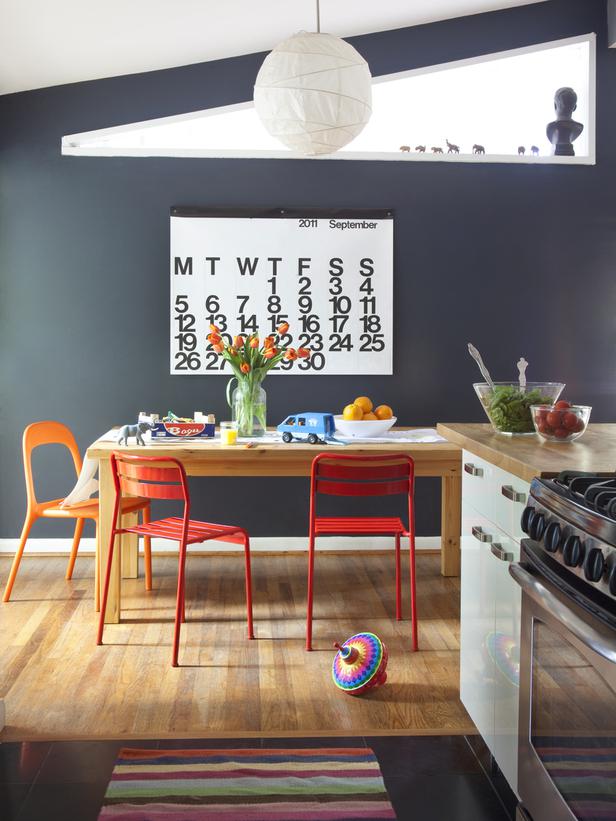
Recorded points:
(58, 684)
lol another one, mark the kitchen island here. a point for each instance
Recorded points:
(496, 474)
(530, 456)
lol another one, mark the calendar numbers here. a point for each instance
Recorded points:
(340, 306)
(248, 324)
(186, 357)
(372, 339)
(213, 362)
(330, 279)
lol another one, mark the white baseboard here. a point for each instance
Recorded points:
(257, 544)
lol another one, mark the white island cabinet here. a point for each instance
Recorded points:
(492, 504)
(497, 471)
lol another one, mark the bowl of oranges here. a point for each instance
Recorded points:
(361, 419)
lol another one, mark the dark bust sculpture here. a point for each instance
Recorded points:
(564, 130)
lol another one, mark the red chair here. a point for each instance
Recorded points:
(355, 475)
(158, 477)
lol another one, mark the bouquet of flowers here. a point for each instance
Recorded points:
(250, 359)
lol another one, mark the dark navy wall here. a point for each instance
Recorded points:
(520, 259)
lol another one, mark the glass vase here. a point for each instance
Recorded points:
(248, 407)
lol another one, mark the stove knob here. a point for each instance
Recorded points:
(553, 537)
(612, 580)
(527, 517)
(573, 552)
(537, 527)
(594, 564)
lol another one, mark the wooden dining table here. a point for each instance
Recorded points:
(209, 458)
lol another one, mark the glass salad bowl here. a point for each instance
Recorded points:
(508, 407)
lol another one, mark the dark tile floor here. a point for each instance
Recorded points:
(429, 778)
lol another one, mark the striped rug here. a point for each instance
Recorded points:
(584, 772)
(247, 785)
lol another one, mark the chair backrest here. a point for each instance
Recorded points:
(151, 477)
(46, 433)
(342, 474)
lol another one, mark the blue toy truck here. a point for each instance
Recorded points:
(310, 427)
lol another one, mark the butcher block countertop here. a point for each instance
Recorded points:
(530, 456)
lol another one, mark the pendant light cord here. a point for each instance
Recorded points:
(318, 16)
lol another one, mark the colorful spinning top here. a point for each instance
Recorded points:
(360, 664)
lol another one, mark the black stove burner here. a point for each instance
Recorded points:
(593, 491)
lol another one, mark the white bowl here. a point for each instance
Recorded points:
(368, 429)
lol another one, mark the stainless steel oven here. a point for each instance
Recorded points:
(567, 723)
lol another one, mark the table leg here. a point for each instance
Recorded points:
(106, 496)
(130, 547)
(451, 525)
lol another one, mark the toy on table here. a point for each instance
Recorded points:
(307, 426)
(360, 664)
(184, 427)
(134, 430)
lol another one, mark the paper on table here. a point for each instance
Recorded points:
(419, 436)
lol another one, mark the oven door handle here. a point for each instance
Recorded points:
(580, 629)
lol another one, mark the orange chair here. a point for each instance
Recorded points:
(49, 433)
(162, 477)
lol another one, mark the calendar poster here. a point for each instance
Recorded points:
(328, 274)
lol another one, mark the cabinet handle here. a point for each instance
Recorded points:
(499, 551)
(473, 469)
(480, 535)
(513, 495)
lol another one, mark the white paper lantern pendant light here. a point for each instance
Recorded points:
(313, 92)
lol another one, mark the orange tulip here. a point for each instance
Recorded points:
(239, 341)
(282, 329)
(291, 354)
(254, 342)
(214, 328)
(303, 353)
(219, 348)
(214, 339)
(268, 342)
(233, 351)
(245, 367)
(270, 353)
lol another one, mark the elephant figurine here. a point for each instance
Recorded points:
(134, 430)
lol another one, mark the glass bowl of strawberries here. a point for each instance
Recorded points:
(561, 422)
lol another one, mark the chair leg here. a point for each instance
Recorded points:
(413, 593)
(179, 607)
(310, 593)
(79, 523)
(101, 620)
(398, 581)
(251, 633)
(17, 560)
(97, 574)
(184, 588)
(147, 549)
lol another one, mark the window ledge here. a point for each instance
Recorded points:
(381, 156)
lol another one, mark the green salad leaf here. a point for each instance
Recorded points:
(509, 408)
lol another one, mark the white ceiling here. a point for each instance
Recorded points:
(51, 42)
